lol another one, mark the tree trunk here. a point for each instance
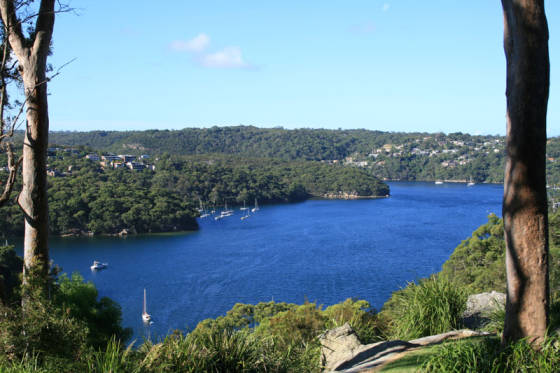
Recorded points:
(525, 199)
(32, 53)
(33, 198)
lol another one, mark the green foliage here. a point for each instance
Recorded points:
(11, 267)
(307, 144)
(361, 317)
(113, 359)
(103, 317)
(43, 330)
(107, 201)
(244, 316)
(434, 305)
(214, 350)
(284, 334)
(487, 355)
(27, 364)
(57, 334)
(480, 159)
(299, 325)
(478, 263)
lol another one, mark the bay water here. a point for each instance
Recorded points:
(324, 251)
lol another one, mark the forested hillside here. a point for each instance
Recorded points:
(391, 155)
(91, 196)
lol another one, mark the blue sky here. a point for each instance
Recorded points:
(391, 65)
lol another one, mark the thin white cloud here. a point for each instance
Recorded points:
(227, 58)
(386, 7)
(196, 45)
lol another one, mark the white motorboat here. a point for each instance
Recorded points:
(98, 265)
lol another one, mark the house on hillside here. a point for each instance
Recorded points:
(93, 157)
(135, 166)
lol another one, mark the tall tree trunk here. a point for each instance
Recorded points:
(33, 197)
(525, 199)
(32, 53)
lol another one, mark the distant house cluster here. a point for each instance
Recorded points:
(131, 162)
(456, 152)
(113, 161)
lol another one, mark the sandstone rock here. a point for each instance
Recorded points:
(341, 350)
(480, 307)
(337, 345)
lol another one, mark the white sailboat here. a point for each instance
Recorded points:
(146, 317)
(227, 212)
(470, 183)
(244, 207)
(256, 208)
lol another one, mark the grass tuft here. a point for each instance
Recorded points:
(433, 306)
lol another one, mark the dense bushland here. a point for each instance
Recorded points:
(405, 163)
(106, 201)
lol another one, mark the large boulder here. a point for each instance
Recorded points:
(337, 345)
(480, 307)
(342, 351)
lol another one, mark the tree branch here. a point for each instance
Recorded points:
(13, 29)
(43, 28)
(13, 167)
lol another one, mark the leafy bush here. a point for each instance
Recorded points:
(42, 330)
(433, 306)
(361, 317)
(282, 335)
(11, 266)
(299, 325)
(103, 317)
(478, 263)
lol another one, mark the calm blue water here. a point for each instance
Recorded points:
(324, 251)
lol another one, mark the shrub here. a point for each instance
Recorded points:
(113, 359)
(204, 351)
(433, 306)
(299, 325)
(45, 332)
(359, 314)
(103, 317)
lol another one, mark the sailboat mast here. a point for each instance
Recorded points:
(144, 309)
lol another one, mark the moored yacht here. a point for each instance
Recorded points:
(98, 265)
(146, 317)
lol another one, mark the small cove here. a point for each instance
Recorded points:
(321, 250)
